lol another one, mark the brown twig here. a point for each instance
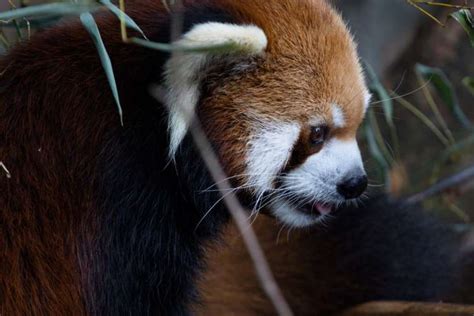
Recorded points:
(239, 215)
(455, 180)
(416, 4)
(409, 308)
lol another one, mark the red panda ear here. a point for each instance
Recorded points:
(367, 100)
(195, 50)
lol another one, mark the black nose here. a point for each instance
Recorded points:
(352, 187)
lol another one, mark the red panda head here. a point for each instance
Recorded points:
(281, 101)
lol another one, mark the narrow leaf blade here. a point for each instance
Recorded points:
(374, 149)
(445, 89)
(129, 22)
(48, 10)
(468, 82)
(89, 23)
(465, 19)
(381, 93)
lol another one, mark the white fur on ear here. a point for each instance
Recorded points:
(182, 71)
(367, 99)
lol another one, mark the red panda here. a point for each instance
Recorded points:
(385, 251)
(101, 219)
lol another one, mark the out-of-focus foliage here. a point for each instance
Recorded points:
(464, 17)
(463, 14)
(443, 86)
(457, 145)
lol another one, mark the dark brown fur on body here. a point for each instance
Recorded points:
(57, 113)
(386, 250)
(78, 229)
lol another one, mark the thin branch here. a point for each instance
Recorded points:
(445, 5)
(123, 27)
(453, 181)
(421, 116)
(431, 16)
(239, 215)
(237, 212)
(435, 109)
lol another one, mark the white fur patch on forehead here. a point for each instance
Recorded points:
(182, 71)
(269, 151)
(338, 118)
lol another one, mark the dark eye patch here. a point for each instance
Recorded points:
(310, 141)
(318, 135)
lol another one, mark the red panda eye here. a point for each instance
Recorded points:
(318, 135)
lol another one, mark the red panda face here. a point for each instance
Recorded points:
(283, 112)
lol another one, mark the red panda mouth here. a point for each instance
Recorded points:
(317, 208)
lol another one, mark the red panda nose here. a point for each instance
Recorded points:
(352, 187)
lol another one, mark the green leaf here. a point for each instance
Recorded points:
(468, 82)
(445, 89)
(221, 48)
(464, 17)
(48, 9)
(381, 93)
(374, 148)
(89, 23)
(35, 22)
(128, 20)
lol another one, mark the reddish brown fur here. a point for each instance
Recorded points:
(49, 142)
(310, 64)
(230, 285)
(392, 252)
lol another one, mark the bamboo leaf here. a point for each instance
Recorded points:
(468, 82)
(445, 89)
(89, 23)
(48, 9)
(422, 117)
(221, 48)
(381, 93)
(129, 22)
(374, 148)
(464, 17)
(35, 22)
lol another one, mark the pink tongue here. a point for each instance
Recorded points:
(323, 209)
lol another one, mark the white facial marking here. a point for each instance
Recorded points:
(338, 116)
(291, 217)
(320, 173)
(367, 99)
(269, 151)
(183, 68)
(317, 179)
